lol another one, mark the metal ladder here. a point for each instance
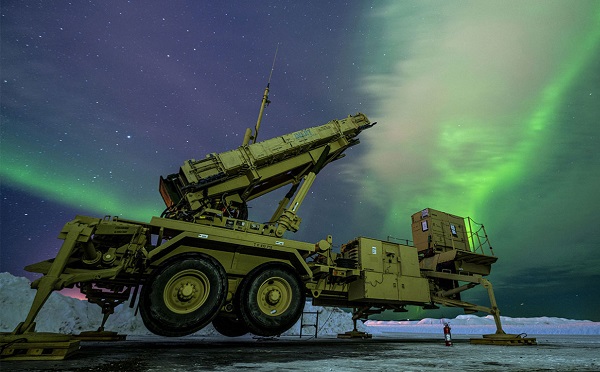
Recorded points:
(315, 324)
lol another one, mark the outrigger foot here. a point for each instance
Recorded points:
(504, 339)
(355, 334)
(99, 336)
(37, 346)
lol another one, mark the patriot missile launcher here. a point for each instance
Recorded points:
(204, 261)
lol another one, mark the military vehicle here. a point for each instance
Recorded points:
(203, 261)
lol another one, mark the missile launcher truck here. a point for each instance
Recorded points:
(203, 261)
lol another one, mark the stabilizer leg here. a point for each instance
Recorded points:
(355, 333)
(100, 334)
(500, 337)
(51, 281)
(26, 344)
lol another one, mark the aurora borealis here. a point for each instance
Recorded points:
(508, 135)
(484, 108)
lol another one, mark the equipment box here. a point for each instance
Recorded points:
(389, 272)
(439, 231)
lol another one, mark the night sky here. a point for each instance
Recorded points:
(488, 109)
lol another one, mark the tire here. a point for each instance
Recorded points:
(230, 327)
(271, 299)
(183, 296)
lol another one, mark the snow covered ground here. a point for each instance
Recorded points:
(472, 324)
(69, 315)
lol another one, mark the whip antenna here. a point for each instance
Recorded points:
(265, 100)
(273, 66)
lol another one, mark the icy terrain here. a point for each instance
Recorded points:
(69, 315)
(472, 324)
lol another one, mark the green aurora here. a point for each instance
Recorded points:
(471, 155)
(481, 124)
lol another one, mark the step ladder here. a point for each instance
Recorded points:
(315, 324)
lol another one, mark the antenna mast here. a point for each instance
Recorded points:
(265, 102)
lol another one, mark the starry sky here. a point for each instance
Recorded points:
(486, 109)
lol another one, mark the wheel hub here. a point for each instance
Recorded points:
(273, 296)
(186, 291)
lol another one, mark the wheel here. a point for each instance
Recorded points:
(183, 296)
(230, 327)
(271, 299)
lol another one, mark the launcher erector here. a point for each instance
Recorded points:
(223, 183)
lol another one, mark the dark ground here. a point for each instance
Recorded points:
(397, 352)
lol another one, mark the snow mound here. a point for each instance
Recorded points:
(68, 315)
(472, 324)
